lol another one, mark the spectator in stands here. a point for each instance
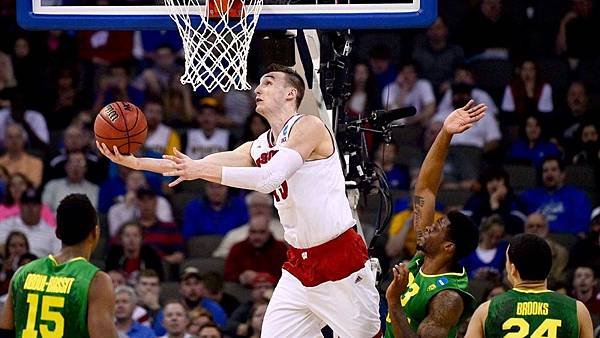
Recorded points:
(7, 80)
(214, 288)
(16, 160)
(464, 75)
(576, 31)
(125, 301)
(489, 33)
(410, 90)
(192, 294)
(496, 197)
(566, 208)
(210, 331)
(132, 255)
(587, 250)
(28, 68)
(494, 291)
(11, 206)
(578, 110)
(128, 208)
(198, 318)
(237, 106)
(585, 290)
(146, 43)
(40, 234)
(116, 86)
(257, 204)
(147, 288)
(382, 68)
(155, 80)
(117, 278)
(527, 94)
(588, 151)
(64, 100)
(532, 146)
(161, 138)
(487, 261)
(216, 214)
(363, 97)
(467, 150)
(207, 138)
(75, 182)
(262, 289)
(16, 245)
(33, 123)
(179, 109)
(77, 139)
(397, 175)
(436, 57)
(164, 237)
(260, 252)
(257, 315)
(538, 225)
(255, 125)
(176, 320)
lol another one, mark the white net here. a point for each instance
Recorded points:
(216, 48)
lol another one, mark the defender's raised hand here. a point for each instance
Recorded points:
(464, 118)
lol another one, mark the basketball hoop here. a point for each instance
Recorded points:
(215, 43)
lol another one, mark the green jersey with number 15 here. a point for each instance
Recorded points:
(50, 300)
(422, 288)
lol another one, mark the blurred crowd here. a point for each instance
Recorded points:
(201, 260)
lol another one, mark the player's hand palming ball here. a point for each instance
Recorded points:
(123, 125)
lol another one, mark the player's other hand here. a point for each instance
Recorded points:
(182, 166)
(129, 161)
(398, 285)
(464, 118)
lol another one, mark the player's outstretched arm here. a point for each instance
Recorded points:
(586, 328)
(476, 327)
(308, 137)
(156, 165)
(101, 307)
(430, 175)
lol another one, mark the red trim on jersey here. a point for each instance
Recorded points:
(330, 261)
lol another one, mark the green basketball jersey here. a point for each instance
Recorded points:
(422, 288)
(522, 313)
(50, 300)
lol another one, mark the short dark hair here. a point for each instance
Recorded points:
(561, 163)
(492, 173)
(211, 325)
(75, 219)
(213, 281)
(293, 79)
(531, 255)
(463, 233)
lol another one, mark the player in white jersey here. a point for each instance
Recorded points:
(327, 279)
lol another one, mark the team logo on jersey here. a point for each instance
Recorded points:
(431, 287)
(442, 281)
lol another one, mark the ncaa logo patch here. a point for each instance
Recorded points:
(442, 281)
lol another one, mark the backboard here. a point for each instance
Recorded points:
(276, 14)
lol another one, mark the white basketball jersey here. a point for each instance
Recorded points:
(312, 204)
(199, 145)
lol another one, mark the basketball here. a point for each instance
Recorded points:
(123, 125)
